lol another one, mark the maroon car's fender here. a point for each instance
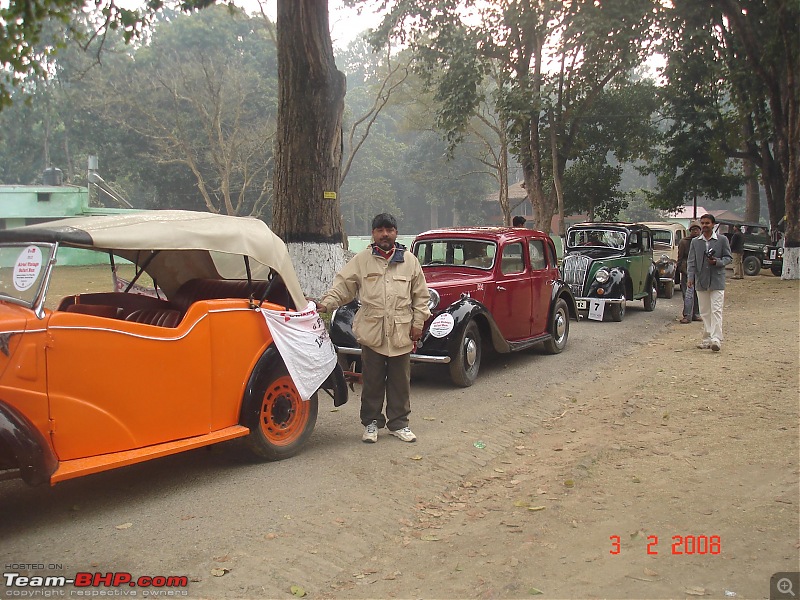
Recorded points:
(561, 291)
(463, 312)
(34, 456)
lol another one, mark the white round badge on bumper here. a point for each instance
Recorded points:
(442, 325)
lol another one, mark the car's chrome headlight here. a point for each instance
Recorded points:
(780, 252)
(434, 299)
(602, 275)
(665, 257)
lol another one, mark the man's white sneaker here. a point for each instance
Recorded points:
(370, 433)
(704, 345)
(404, 434)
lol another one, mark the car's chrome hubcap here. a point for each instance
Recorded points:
(561, 326)
(470, 351)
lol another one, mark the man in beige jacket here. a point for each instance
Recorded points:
(390, 285)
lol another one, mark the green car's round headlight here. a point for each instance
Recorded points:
(602, 275)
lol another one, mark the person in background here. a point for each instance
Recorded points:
(737, 251)
(708, 255)
(691, 312)
(394, 297)
(518, 221)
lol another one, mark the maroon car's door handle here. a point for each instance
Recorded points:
(500, 288)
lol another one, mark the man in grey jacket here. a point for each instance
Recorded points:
(708, 255)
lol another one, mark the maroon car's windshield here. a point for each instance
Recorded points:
(479, 254)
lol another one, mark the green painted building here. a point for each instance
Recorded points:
(31, 204)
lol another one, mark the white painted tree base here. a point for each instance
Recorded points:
(316, 264)
(791, 263)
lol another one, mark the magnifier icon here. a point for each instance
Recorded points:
(784, 586)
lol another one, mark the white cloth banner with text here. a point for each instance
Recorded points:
(305, 346)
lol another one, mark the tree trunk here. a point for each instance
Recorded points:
(502, 177)
(557, 176)
(791, 252)
(306, 211)
(752, 210)
(544, 206)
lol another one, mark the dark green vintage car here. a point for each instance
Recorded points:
(607, 264)
(756, 240)
(773, 258)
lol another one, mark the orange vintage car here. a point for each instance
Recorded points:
(96, 380)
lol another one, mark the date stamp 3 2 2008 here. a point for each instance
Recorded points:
(681, 544)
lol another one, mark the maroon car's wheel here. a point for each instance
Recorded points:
(466, 363)
(559, 328)
(285, 420)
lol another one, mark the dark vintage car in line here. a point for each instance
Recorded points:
(756, 238)
(608, 264)
(492, 288)
(666, 237)
(773, 258)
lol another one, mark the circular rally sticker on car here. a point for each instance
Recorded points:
(442, 325)
(27, 268)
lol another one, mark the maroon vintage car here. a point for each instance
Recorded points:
(492, 288)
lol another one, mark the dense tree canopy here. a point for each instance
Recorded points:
(553, 60)
(732, 93)
(186, 120)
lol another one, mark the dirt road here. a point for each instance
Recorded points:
(684, 461)
(524, 485)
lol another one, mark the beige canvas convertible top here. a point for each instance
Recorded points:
(209, 244)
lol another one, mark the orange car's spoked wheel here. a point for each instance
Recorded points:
(284, 414)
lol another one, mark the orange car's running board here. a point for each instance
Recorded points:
(85, 466)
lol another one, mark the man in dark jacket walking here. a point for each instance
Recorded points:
(737, 251)
(691, 312)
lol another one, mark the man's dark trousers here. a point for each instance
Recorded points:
(388, 376)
